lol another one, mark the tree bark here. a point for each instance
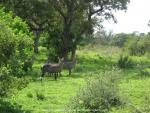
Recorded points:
(66, 40)
(36, 41)
(73, 53)
(65, 53)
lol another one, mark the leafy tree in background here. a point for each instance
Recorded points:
(102, 37)
(136, 44)
(72, 24)
(77, 18)
(121, 39)
(139, 46)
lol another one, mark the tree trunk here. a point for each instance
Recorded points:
(90, 22)
(36, 41)
(73, 53)
(65, 54)
(65, 50)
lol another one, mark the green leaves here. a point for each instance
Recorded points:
(99, 95)
(73, 19)
(7, 44)
(15, 42)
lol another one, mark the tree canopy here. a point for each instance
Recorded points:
(67, 22)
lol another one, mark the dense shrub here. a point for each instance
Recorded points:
(19, 27)
(10, 84)
(15, 43)
(5, 81)
(7, 44)
(15, 49)
(7, 107)
(120, 39)
(102, 37)
(125, 61)
(139, 46)
(99, 95)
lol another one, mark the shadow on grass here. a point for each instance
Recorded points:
(85, 66)
(6, 107)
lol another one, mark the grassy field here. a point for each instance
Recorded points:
(52, 96)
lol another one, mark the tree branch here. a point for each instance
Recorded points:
(96, 11)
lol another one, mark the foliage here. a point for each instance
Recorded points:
(121, 39)
(19, 27)
(7, 107)
(5, 87)
(74, 14)
(139, 46)
(7, 44)
(102, 37)
(135, 44)
(15, 43)
(38, 15)
(125, 61)
(15, 50)
(63, 19)
(99, 95)
(9, 84)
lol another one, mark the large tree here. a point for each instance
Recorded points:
(72, 24)
(79, 17)
(37, 13)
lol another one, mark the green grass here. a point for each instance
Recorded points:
(57, 94)
(134, 93)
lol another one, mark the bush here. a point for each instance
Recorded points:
(5, 82)
(120, 39)
(125, 62)
(10, 84)
(15, 49)
(139, 46)
(99, 95)
(7, 107)
(15, 43)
